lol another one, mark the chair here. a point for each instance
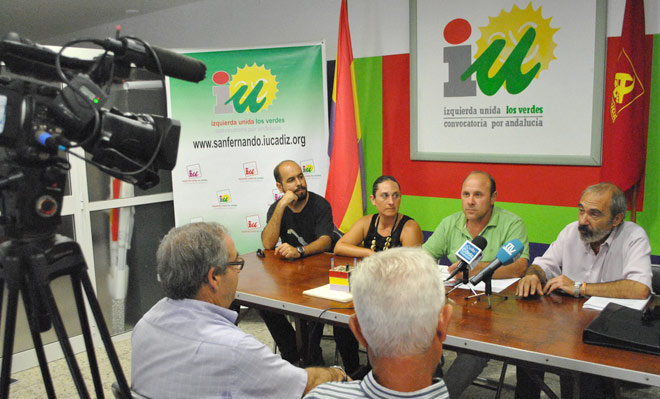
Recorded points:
(118, 395)
(655, 279)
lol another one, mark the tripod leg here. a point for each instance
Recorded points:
(62, 336)
(450, 291)
(2, 290)
(10, 330)
(38, 344)
(87, 336)
(105, 335)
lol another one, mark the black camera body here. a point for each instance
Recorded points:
(50, 103)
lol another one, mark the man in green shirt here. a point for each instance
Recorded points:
(480, 216)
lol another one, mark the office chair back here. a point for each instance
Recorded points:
(655, 280)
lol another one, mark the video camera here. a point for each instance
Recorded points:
(50, 103)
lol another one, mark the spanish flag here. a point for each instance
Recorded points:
(345, 189)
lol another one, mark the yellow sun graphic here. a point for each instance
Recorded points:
(511, 26)
(254, 77)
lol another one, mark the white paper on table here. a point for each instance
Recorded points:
(325, 292)
(444, 271)
(497, 284)
(599, 302)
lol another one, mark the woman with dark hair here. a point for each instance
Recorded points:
(386, 229)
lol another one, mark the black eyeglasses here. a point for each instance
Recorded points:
(239, 262)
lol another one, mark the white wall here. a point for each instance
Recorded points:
(378, 27)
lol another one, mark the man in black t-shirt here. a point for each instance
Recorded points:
(301, 219)
(303, 222)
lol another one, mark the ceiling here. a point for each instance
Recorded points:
(38, 20)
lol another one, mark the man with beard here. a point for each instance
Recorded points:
(599, 255)
(302, 220)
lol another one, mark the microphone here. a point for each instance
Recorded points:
(172, 63)
(509, 253)
(469, 253)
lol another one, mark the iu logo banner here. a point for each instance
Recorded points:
(255, 108)
(507, 81)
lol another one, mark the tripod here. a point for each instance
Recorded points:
(488, 281)
(28, 266)
(464, 281)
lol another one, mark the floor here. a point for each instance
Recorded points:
(29, 384)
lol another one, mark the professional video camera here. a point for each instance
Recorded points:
(50, 103)
(53, 102)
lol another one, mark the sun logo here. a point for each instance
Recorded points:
(511, 26)
(513, 49)
(252, 88)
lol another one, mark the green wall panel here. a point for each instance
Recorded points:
(650, 218)
(368, 74)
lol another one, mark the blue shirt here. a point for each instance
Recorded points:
(192, 349)
(370, 388)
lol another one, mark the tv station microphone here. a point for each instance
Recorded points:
(509, 253)
(469, 253)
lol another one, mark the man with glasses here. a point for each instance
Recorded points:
(187, 345)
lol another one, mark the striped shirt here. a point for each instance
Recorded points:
(370, 388)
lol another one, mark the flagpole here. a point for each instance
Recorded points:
(633, 207)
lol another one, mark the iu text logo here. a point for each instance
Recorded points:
(252, 88)
(513, 49)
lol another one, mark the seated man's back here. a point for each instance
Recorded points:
(192, 348)
(188, 346)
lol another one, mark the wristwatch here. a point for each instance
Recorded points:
(345, 379)
(576, 288)
(301, 251)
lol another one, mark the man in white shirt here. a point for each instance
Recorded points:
(599, 255)
(188, 346)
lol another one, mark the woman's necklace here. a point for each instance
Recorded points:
(388, 239)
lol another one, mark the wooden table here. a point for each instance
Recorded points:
(278, 284)
(545, 331)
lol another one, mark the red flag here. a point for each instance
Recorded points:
(627, 89)
(345, 189)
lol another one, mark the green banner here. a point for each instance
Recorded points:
(255, 108)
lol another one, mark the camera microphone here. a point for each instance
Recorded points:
(172, 63)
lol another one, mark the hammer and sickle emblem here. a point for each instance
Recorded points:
(623, 84)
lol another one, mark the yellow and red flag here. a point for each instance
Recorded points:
(345, 189)
(627, 89)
